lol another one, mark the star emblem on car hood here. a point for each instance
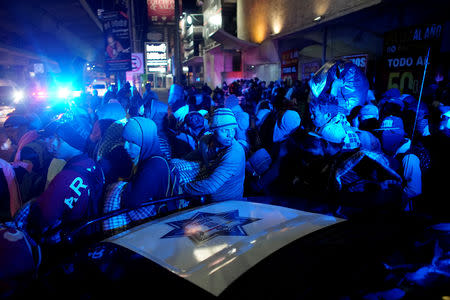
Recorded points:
(204, 226)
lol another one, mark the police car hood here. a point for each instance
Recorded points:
(211, 246)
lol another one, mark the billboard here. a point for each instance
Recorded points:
(161, 11)
(309, 68)
(212, 20)
(156, 58)
(117, 41)
(404, 56)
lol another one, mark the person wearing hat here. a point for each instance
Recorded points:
(242, 118)
(402, 159)
(222, 160)
(192, 130)
(151, 177)
(74, 193)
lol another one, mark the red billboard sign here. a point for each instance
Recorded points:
(161, 11)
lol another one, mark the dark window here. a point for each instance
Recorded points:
(236, 62)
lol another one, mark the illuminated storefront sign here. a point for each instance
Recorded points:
(156, 57)
(405, 52)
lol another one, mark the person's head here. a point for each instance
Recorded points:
(112, 111)
(290, 121)
(70, 138)
(392, 134)
(369, 111)
(141, 139)
(47, 133)
(323, 109)
(223, 124)
(110, 39)
(444, 124)
(177, 101)
(16, 125)
(334, 136)
(195, 122)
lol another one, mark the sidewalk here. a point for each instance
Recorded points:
(163, 94)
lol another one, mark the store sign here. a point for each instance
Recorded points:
(405, 51)
(137, 63)
(117, 41)
(289, 64)
(360, 60)
(308, 69)
(156, 59)
(162, 11)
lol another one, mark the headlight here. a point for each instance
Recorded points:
(18, 96)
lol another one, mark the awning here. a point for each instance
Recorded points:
(15, 56)
(229, 41)
(195, 60)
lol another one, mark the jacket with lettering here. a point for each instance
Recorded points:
(72, 196)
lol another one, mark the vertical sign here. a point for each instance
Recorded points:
(289, 64)
(405, 52)
(212, 20)
(117, 41)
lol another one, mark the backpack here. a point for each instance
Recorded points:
(21, 255)
(422, 153)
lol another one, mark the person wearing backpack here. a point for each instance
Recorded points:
(74, 194)
(151, 178)
(403, 158)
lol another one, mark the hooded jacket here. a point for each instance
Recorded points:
(150, 178)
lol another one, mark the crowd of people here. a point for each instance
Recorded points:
(384, 152)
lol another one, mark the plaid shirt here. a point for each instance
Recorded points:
(123, 221)
(189, 170)
(118, 223)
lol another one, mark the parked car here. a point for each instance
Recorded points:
(260, 248)
(100, 85)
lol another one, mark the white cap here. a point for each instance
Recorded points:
(333, 133)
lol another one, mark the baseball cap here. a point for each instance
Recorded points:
(393, 125)
(75, 132)
(369, 111)
(333, 133)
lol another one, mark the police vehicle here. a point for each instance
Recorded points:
(255, 248)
